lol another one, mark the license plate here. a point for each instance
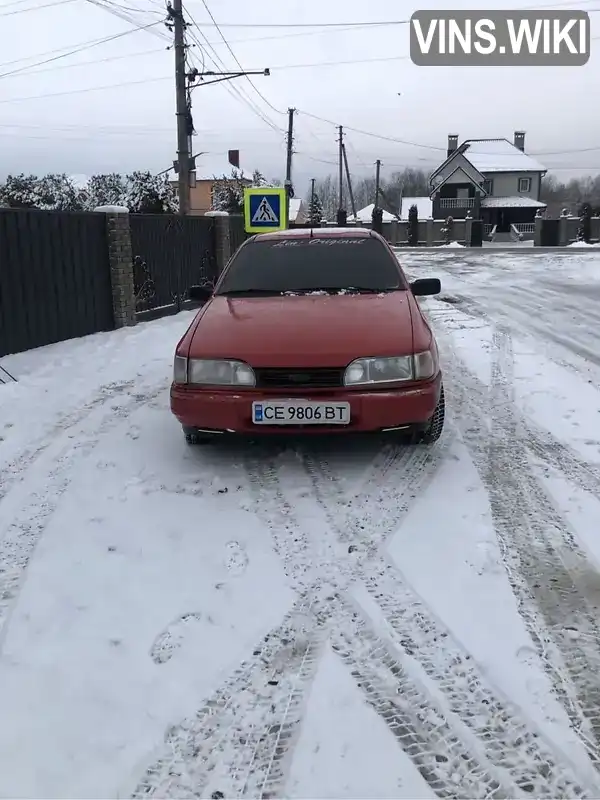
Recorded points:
(300, 412)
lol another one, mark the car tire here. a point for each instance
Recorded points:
(192, 437)
(434, 428)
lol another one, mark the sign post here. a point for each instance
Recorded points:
(265, 209)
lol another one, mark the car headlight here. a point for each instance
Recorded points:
(212, 372)
(420, 366)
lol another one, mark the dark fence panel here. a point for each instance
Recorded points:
(550, 233)
(170, 254)
(237, 232)
(54, 278)
(476, 234)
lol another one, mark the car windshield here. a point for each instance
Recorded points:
(361, 264)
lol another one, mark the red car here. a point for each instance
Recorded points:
(310, 331)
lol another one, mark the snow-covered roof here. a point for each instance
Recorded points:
(423, 204)
(499, 155)
(511, 202)
(366, 215)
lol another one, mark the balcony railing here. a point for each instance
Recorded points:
(457, 202)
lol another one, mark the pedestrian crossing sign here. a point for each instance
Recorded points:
(265, 209)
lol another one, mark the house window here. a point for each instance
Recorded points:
(524, 184)
(488, 187)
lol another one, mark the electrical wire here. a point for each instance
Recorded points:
(86, 90)
(369, 24)
(105, 5)
(433, 147)
(235, 58)
(37, 8)
(105, 60)
(234, 90)
(80, 49)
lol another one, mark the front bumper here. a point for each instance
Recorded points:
(229, 410)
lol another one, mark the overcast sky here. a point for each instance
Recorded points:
(53, 119)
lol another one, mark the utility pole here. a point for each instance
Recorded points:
(377, 215)
(182, 108)
(341, 214)
(350, 192)
(311, 209)
(288, 167)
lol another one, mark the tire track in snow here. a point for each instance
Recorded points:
(497, 318)
(502, 734)
(254, 719)
(294, 546)
(14, 471)
(421, 727)
(239, 742)
(20, 536)
(550, 575)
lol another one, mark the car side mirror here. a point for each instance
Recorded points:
(426, 286)
(201, 294)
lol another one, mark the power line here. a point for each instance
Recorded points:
(280, 67)
(365, 24)
(233, 90)
(429, 146)
(92, 61)
(37, 8)
(114, 10)
(79, 49)
(235, 58)
(84, 91)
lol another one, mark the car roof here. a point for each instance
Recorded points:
(316, 233)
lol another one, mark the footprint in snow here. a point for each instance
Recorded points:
(237, 559)
(171, 639)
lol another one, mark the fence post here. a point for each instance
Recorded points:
(563, 229)
(121, 264)
(538, 234)
(222, 240)
(469, 230)
(430, 232)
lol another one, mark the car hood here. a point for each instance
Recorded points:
(325, 330)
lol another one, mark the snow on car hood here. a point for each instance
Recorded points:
(305, 330)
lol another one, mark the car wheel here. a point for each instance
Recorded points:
(434, 429)
(192, 437)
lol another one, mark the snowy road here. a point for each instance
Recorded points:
(348, 620)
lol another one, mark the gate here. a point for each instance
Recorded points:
(54, 278)
(550, 233)
(170, 254)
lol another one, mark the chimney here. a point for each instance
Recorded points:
(452, 143)
(519, 140)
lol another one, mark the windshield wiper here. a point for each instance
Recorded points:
(342, 290)
(262, 292)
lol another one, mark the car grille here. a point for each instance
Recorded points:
(292, 378)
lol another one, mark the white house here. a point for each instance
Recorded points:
(493, 179)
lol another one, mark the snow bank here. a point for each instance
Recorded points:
(451, 244)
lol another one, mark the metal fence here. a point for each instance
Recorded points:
(237, 232)
(170, 254)
(54, 278)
